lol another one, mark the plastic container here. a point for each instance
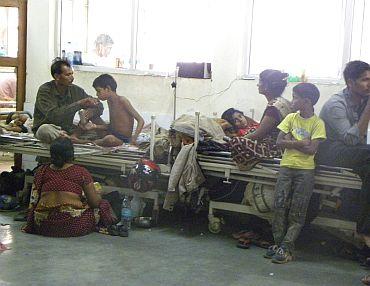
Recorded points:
(126, 213)
(69, 53)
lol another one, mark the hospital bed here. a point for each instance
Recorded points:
(329, 181)
(117, 160)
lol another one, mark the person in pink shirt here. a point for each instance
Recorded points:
(8, 87)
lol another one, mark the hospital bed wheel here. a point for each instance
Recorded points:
(214, 225)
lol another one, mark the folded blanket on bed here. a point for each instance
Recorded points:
(208, 127)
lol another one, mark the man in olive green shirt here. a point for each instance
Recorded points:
(57, 102)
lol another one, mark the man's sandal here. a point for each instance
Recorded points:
(240, 234)
(243, 243)
(261, 243)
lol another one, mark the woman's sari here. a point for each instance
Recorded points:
(58, 207)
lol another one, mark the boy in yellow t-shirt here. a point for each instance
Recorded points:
(300, 135)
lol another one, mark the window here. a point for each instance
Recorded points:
(137, 34)
(311, 36)
(8, 32)
(360, 48)
(297, 36)
(171, 31)
(100, 29)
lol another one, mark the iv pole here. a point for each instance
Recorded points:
(174, 86)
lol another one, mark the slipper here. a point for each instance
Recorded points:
(261, 243)
(239, 234)
(243, 243)
(366, 280)
(248, 235)
(251, 235)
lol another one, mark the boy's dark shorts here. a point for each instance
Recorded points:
(121, 137)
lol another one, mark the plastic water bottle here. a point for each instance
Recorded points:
(126, 213)
(69, 53)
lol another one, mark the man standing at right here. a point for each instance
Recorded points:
(346, 116)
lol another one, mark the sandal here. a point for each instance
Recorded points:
(261, 243)
(366, 280)
(243, 243)
(239, 234)
(249, 235)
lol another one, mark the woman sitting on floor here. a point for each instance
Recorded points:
(254, 146)
(241, 124)
(58, 206)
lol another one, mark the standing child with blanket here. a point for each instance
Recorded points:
(300, 135)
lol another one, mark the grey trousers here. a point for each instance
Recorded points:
(47, 133)
(293, 192)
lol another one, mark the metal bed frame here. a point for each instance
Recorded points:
(329, 181)
(119, 159)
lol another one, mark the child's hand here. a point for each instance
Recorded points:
(89, 113)
(304, 142)
(289, 137)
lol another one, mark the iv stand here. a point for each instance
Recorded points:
(174, 86)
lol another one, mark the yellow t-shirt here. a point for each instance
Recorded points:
(301, 128)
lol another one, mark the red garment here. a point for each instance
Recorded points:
(71, 179)
(250, 129)
(63, 224)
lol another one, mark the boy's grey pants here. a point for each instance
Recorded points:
(293, 192)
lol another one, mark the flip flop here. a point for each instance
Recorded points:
(243, 243)
(261, 243)
(239, 234)
(251, 235)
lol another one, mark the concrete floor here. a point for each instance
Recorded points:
(6, 161)
(166, 255)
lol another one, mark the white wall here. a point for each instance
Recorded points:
(153, 94)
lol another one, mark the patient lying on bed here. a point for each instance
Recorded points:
(241, 124)
(18, 122)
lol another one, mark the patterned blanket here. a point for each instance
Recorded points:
(247, 153)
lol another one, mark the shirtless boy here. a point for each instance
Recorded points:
(121, 115)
